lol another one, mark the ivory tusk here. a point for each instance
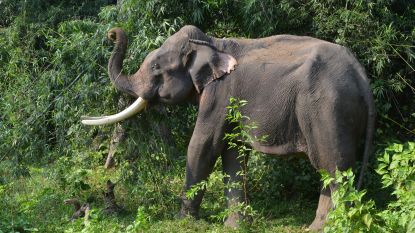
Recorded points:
(133, 109)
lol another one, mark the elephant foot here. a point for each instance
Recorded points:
(316, 225)
(186, 211)
(324, 206)
(234, 220)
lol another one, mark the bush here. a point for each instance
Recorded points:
(53, 57)
(353, 214)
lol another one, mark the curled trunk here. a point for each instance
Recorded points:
(120, 80)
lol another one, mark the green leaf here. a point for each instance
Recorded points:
(397, 147)
(367, 219)
(386, 157)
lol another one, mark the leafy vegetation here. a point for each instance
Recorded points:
(53, 57)
(353, 214)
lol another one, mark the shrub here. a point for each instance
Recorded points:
(352, 213)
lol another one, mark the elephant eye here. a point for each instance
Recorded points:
(155, 66)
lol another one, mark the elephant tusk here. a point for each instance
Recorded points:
(133, 109)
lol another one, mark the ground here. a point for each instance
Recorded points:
(35, 203)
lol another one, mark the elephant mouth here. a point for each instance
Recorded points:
(136, 107)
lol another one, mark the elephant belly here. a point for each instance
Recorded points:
(276, 129)
(271, 107)
(285, 150)
(279, 139)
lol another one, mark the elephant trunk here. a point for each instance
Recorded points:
(120, 80)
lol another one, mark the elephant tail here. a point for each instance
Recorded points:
(370, 128)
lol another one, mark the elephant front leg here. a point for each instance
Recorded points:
(235, 186)
(204, 147)
(201, 158)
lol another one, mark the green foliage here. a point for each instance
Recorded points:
(140, 223)
(264, 18)
(240, 136)
(397, 168)
(53, 58)
(352, 213)
(215, 185)
(44, 82)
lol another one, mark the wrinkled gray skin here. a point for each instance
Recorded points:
(310, 97)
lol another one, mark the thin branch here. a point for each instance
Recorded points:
(409, 85)
(402, 57)
(400, 125)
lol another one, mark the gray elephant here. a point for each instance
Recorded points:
(310, 97)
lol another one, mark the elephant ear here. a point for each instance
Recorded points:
(207, 64)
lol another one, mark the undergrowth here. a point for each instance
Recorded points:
(53, 58)
(354, 213)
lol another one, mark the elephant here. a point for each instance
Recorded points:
(308, 96)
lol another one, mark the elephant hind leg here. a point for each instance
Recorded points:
(331, 148)
(324, 206)
(340, 158)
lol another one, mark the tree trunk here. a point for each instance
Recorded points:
(111, 206)
(118, 135)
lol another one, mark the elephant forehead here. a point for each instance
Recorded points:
(176, 39)
(166, 56)
(176, 45)
(150, 57)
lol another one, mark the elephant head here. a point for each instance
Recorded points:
(181, 68)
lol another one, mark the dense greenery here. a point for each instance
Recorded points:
(53, 57)
(353, 214)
